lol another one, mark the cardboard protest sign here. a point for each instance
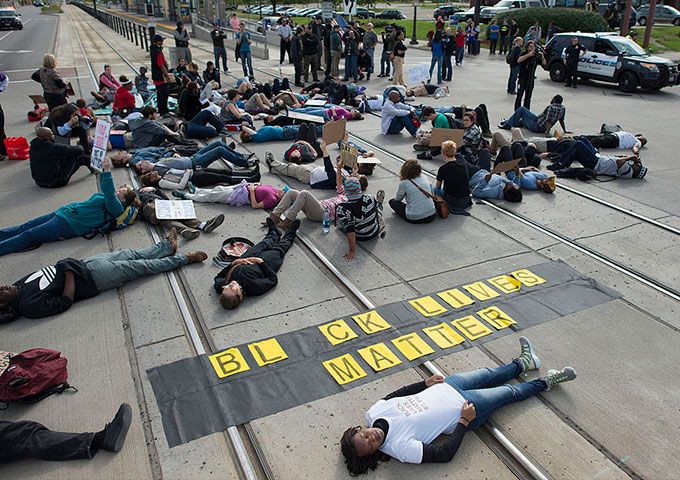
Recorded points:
(348, 155)
(505, 166)
(316, 102)
(334, 131)
(306, 117)
(175, 209)
(101, 140)
(441, 135)
(419, 73)
(368, 161)
(4, 360)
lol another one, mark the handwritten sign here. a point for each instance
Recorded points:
(175, 209)
(101, 140)
(419, 73)
(4, 360)
(348, 155)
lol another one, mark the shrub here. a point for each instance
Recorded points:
(568, 19)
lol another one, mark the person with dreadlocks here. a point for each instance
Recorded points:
(403, 424)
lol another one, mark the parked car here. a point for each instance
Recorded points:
(612, 58)
(10, 18)
(365, 13)
(486, 14)
(446, 11)
(662, 14)
(391, 15)
(272, 21)
(314, 12)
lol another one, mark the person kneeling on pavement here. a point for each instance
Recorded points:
(254, 272)
(361, 217)
(53, 165)
(53, 290)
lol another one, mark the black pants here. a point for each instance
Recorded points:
(156, 140)
(607, 140)
(284, 48)
(21, 440)
(492, 45)
(308, 133)
(272, 249)
(338, 94)
(399, 208)
(67, 167)
(298, 71)
(572, 73)
(207, 177)
(162, 93)
(526, 88)
(509, 153)
(54, 100)
(3, 150)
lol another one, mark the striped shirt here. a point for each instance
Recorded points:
(332, 203)
(363, 217)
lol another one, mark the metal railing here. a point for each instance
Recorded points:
(133, 31)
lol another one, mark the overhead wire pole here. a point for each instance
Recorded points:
(650, 21)
(626, 18)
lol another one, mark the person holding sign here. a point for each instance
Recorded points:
(53, 289)
(53, 165)
(72, 220)
(487, 184)
(404, 423)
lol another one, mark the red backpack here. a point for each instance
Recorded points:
(33, 375)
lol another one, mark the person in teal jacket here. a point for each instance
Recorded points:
(72, 220)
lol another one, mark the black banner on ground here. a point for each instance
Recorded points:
(206, 394)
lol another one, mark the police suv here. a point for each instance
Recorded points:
(611, 58)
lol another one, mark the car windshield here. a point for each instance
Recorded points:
(627, 47)
(504, 4)
(7, 13)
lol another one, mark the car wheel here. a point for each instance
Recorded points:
(642, 21)
(628, 82)
(676, 22)
(557, 72)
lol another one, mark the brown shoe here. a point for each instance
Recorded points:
(284, 224)
(172, 238)
(273, 217)
(98, 97)
(195, 257)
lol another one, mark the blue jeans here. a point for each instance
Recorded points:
(582, 151)
(447, 69)
(399, 123)
(198, 126)
(215, 151)
(247, 57)
(460, 53)
(524, 118)
(351, 67)
(318, 111)
(485, 388)
(112, 270)
(220, 52)
(48, 228)
(512, 81)
(438, 60)
(385, 63)
(290, 132)
(371, 53)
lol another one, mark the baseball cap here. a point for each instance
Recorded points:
(157, 38)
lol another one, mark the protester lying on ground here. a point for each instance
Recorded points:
(484, 184)
(320, 177)
(254, 194)
(582, 151)
(65, 121)
(52, 290)
(330, 114)
(175, 179)
(453, 180)
(530, 177)
(201, 159)
(188, 229)
(404, 423)
(368, 103)
(147, 132)
(231, 114)
(542, 123)
(287, 99)
(306, 147)
(361, 217)
(53, 165)
(254, 272)
(25, 439)
(272, 133)
(396, 116)
(259, 103)
(427, 90)
(153, 154)
(72, 220)
(414, 188)
(622, 140)
(203, 125)
(541, 145)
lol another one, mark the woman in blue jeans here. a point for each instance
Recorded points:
(52, 290)
(198, 126)
(405, 422)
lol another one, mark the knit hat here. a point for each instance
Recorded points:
(642, 173)
(352, 188)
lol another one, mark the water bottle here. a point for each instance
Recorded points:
(326, 221)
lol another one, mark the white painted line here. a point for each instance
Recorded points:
(29, 80)
(27, 21)
(6, 35)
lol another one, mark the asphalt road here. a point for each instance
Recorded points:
(24, 49)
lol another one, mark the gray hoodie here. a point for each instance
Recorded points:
(143, 131)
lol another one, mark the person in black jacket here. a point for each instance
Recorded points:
(211, 74)
(53, 165)
(52, 290)
(405, 422)
(254, 272)
(297, 55)
(449, 49)
(190, 101)
(310, 50)
(218, 37)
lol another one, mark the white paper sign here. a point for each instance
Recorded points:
(327, 10)
(350, 7)
(419, 73)
(175, 209)
(101, 140)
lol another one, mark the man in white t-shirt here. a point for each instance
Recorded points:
(623, 140)
(404, 423)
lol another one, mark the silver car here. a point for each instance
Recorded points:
(662, 14)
